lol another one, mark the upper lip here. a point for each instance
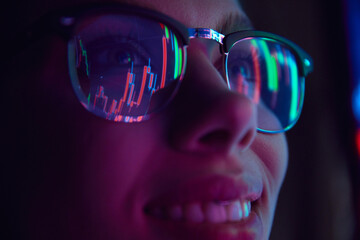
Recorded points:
(208, 188)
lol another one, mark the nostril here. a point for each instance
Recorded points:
(247, 139)
(222, 137)
(215, 137)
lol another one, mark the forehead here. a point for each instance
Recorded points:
(224, 16)
(213, 14)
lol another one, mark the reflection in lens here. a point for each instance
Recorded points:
(119, 62)
(266, 71)
(266, 118)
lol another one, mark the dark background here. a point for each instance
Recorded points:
(317, 198)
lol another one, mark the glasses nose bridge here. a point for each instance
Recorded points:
(206, 33)
(210, 34)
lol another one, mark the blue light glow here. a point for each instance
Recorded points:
(356, 101)
(353, 21)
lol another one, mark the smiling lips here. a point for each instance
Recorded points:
(214, 199)
(213, 212)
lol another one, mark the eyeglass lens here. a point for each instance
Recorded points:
(125, 67)
(266, 71)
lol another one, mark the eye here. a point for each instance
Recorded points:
(122, 57)
(116, 56)
(241, 74)
(108, 54)
(241, 67)
(241, 70)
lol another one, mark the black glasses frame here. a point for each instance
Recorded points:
(63, 22)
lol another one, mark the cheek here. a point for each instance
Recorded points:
(116, 157)
(273, 152)
(103, 160)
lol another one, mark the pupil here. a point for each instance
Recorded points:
(123, 58)
(235, 70)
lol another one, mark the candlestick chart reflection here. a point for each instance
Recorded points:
(121, 78)
(267, 72)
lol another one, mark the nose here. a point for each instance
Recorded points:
(206, 116)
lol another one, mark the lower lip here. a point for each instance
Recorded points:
(249, 229)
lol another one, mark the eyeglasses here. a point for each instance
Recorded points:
(126, 63)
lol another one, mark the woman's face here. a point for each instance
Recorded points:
(179, 175)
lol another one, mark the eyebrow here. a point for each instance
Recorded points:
(233, 22)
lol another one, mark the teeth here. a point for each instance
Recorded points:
(238, 210)
(246, 208)
(234, 211)
(194, 213)
(175, 212)
(157, 212)
(213, 212)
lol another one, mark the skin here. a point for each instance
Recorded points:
(93, 177)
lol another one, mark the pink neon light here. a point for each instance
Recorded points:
(118, 118)
(257, 75)
(123, 99)
(164, 63)
(112, 107)
(240, 83)
(151, 80)
(358, 141)
(130, 95)
(100, 94)
(246, 89)
(97, 95)
(142, 85)
(132, 100)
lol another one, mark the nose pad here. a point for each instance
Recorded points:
(207, 116)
